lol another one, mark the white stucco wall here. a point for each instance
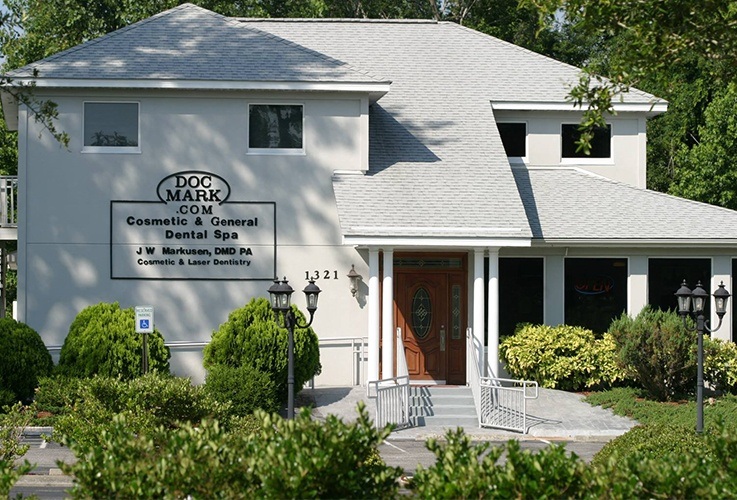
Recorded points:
(628, 161)
(65, 221)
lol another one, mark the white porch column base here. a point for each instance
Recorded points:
(493, 323)
(478, 307)
(387, 311)
(373, 316)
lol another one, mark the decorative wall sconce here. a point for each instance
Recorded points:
(354, 277)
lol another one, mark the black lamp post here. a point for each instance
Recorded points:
(280, 295)
(699, 297)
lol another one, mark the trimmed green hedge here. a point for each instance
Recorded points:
(23, 359)
(102, 341)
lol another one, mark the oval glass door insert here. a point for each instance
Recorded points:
(421, 313)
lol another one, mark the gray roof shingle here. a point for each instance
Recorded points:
(568, 204)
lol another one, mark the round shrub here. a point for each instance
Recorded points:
(659, 350)
(252, 337)
(23, 359)
(102, 341)
(561, 357)
(245, 387)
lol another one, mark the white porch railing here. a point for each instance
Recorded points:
(504, 403)
(392, 394)
(473, 377)
(8, 200)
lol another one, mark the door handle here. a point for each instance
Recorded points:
(442, 338)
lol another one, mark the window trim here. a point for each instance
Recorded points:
(587, 160)
(274, 151)
(113, 149)
(518, 159)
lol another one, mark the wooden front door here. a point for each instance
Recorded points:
(429, 308)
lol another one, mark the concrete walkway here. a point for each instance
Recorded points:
(554, 415)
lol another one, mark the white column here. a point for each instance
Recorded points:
(387, 311)
(478, 307)
(373, 316)
(637, 284)
(721, 270)
(493, 321)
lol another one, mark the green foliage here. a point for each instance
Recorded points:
(720, 364)
(23, 359)
(466, 470)
(561, 357)
(102, 341)
(12, 424)
(146, 403)
(302, 458)
(57, 395)
(629, 402)
(654, 441)
(710, 162)
(245, 387)
(252, 337)
(659, 350)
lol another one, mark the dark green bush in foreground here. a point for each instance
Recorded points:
(23, 359)
(146, 403)
(251, 337)
(302, 458)
(246, 388)
(102, 341)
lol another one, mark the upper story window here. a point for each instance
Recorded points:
(514, 138)
(601, 144)
(111, 127)
(276, 128)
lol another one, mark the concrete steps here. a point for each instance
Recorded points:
(442, 406)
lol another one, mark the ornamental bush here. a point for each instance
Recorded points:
(300, 458)
(561, 357)
(720, 364)
(659, 350)
(23, 359)
(245, 387)
(252, 337)
(102, 341)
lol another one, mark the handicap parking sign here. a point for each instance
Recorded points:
(144, 319)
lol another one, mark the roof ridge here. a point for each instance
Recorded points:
(117, 32)
(336, 20)
(519, 48)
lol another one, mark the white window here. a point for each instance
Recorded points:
(601, 143)
(111, 127)
(276, 128)
(514, 139)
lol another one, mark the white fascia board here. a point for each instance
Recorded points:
(641, 243)
(433, 242)
(652, 109)
(375, 89)
(10, 110)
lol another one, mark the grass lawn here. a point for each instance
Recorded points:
(630, 402)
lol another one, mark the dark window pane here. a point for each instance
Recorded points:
(601, 144)
(514, 138)
(111, 124)
(595, 292)
(273, 126)
(664, 277)
(521, 293)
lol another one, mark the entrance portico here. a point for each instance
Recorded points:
(436, 353)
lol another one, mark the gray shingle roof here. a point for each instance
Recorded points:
(568, 204)
(191, 43)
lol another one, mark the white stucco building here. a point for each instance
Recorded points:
(210, 154)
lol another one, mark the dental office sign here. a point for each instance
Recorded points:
(194, 232)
